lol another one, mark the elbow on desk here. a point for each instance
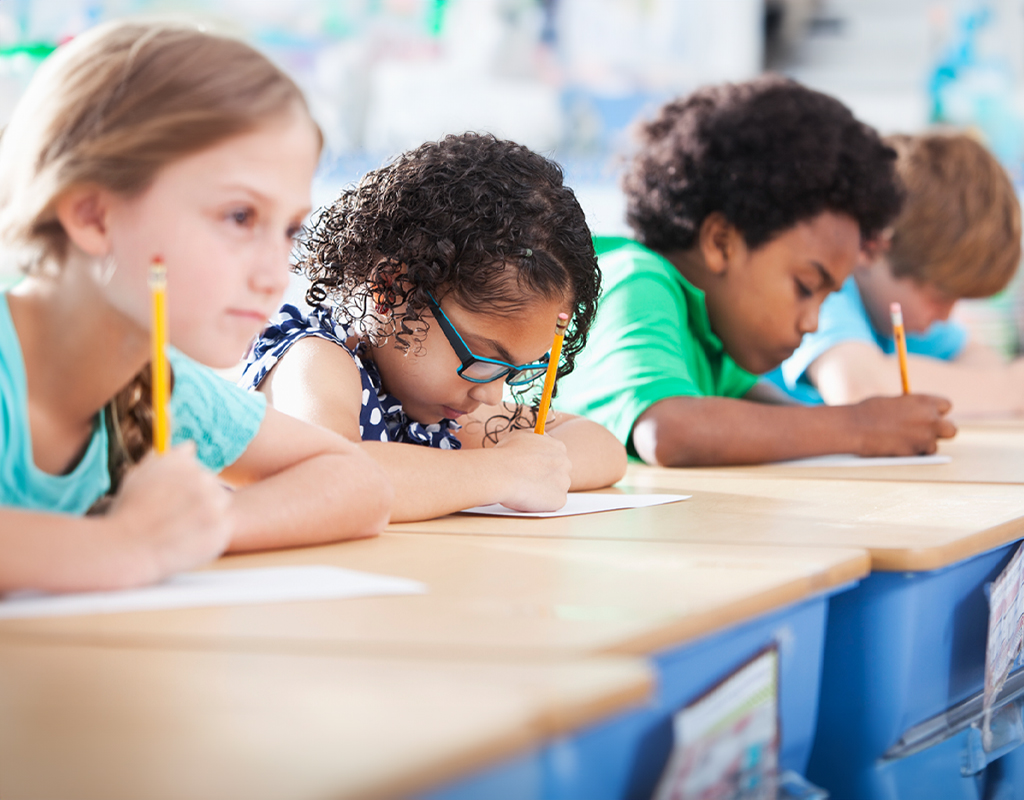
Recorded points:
(663, 445)
(370, 496)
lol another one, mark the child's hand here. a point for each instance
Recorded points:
(171, 514)
(902, 426)
(535, 472)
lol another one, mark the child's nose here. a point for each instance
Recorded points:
(808, 320)
(270, 274)
(489, 394)
(941, 311)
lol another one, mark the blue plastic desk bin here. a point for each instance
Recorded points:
(624, 757)
(519, 778)
(901, 651)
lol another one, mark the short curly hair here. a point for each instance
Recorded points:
(485, 220)
(767, 154)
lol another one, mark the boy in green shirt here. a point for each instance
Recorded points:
(750, 203)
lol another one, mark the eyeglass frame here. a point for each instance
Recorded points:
(467, 357)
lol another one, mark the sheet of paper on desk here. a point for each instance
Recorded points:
(583, 503)
(225, 587)
(850, 460)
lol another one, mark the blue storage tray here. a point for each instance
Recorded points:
(623, 757)
(900, 648)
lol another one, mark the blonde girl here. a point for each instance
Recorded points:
(137, 140)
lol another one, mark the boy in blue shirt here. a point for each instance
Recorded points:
(958, 235)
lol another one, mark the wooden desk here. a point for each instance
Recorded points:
(982, 453)
(903, 525)
(109, 723)
(523, 597)
(697, 610)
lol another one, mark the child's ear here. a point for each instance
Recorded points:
(82, 212)
(873, 251)
(719, 242)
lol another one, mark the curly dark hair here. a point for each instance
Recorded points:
(487, 221)
(767, 154)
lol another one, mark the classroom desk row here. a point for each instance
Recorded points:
(548, 655)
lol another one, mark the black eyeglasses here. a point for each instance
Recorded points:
(477, 369)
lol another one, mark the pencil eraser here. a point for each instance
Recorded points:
(896, 310)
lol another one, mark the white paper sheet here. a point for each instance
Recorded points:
(850, 460)
(582, 503)
(226, 587)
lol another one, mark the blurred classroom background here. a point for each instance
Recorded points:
(567, 77)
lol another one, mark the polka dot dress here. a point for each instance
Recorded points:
(381, 416)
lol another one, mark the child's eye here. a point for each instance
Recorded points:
(293, 231)
(802, 290)
(243, 217)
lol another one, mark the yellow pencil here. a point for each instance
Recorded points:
(549, 376)
(901, 344)
(161, 376)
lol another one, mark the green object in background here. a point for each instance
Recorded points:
(435, 17)
(36, 51)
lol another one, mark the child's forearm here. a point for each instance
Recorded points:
(598, 458)
(851, 372)
(63, 553)
(325, 498)
(717, 431)
(436, 482)
(973, 390)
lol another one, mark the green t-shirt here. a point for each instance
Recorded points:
(218, 416)
(651, 339)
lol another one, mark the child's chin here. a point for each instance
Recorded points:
(759, 363)
(215, 358)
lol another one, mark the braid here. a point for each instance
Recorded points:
(129, 420)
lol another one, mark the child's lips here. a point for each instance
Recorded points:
(248, 315)
(453, 413)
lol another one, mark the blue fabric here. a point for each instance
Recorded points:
(381, 417)
(212, 412)
(843, 318)
(220, 418)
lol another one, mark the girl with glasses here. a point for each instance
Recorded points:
(435, 286)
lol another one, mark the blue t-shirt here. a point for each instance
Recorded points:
(219, 417)
(843, 318)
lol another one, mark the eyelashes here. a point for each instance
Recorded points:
(245, 217)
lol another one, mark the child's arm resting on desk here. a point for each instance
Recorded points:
(170, 514)
(317, 381)
(300, 485)
(976, 382)
(716, 431)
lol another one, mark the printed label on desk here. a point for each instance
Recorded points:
(1005, 631)
(727, 741)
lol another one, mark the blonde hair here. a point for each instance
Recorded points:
(960, 227)
(114, 106)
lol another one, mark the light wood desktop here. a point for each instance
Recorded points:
(106, 723)
(981, 452)
(530, 597)
(904, 525)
